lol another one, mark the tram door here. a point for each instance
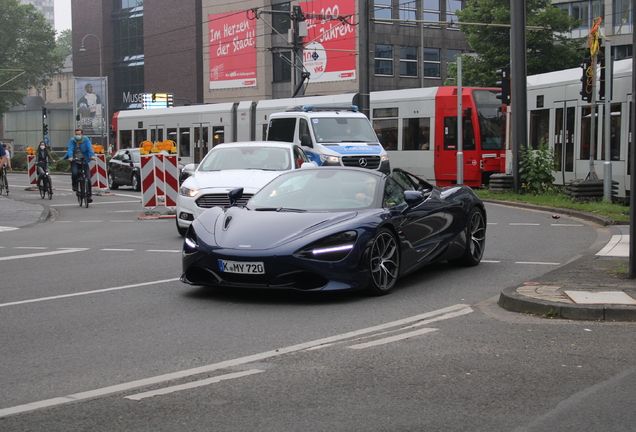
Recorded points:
(200, 141)
(446, 151)
(563, 139)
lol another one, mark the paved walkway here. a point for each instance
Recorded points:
(16, 214)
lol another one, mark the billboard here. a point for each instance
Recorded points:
(232, 38)
(330, 51)
(90, 105)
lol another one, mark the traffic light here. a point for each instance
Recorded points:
(504, 85)
(154, 97)
(586, 80)
(45, 129)
(43, 112)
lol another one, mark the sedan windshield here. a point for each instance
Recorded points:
(319, 190)
(261, 158)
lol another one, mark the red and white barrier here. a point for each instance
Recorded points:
(33, 172)
(98, 172)
(148, 187)
(171, 177)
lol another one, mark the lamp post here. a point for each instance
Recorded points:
(104, 124)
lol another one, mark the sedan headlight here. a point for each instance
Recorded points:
(333, 248)
(188, 192)
(330, 159)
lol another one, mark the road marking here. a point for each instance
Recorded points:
(537, 263)
(31, 247)
(393, 338)
(490, 261)
(525, 224)
(118, 388)
(3, 229)
(194, 384)
(98, 203)
(21, 302)
(163, 250)
(566, 225)
(39, 254)
(118, 250)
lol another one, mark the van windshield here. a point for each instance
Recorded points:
(343, 130)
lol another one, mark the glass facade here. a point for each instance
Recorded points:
(128, 61)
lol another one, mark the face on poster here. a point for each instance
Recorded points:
(232, 39)
(89, 105)
(330, 53)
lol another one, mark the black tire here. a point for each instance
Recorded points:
(182, 231)
(2, 184)
(81, 191)
(49, 188)
(475, 240)
(383, 262)
(135, 182)
(111, 182)
(43, 187)
(87, 188)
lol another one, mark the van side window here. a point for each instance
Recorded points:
(281, 129)
(303, 128)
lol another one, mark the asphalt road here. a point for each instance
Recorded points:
(98, 334)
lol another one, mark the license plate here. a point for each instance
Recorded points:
(241, 267)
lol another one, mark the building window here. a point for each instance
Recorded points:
(281, 22)
(408, 12)
(59, 90)
(622, 11)
(432, 67)
(282, 66)
(408, 61)
(431, 13)
(383, 60)
(452, 6)
(452, 54)
(382, 9)
(588, 10)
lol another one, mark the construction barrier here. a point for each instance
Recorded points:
(98, 172)
(148, 186)
(171, 177)
(33, 172)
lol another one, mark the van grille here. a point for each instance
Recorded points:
(370, 162)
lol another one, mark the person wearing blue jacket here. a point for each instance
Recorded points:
(80, 148)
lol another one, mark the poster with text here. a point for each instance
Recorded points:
(232, 39)
(330, 50)
(90, 106)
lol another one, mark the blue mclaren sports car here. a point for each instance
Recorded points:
(333, 228)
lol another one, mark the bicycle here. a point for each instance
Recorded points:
(4, 184)
(83, 183)
(46, 186)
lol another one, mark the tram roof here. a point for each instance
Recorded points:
(574, 74)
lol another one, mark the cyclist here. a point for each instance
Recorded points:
(42, 156)
(80, 148)
(6, 150)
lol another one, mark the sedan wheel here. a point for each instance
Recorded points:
(475, 240)
(136, 184)
(111, 182)
(384, 263)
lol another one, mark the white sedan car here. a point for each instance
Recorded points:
(250, 165)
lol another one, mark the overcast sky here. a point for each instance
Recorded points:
(62, 14)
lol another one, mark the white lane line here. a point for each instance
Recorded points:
(566, 225)
(491, 261)
(21, 302)
(537, 263)
(31, 247)
(118, 388)
(163, 250)
(194, 384)
(492, 223)
(98, 203)
(3, 229)
(39, 254)
(525, 224)
(393, 338)
(118, 250)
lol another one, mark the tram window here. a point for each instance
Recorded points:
(125, 139)
(586, 126)
(615, 134)
(450, 134)
(416, 134)
(388, 129)
(172, 135)
(539, 127)
(156, 135)
(140, 136)
(184, 142)
(218, 135)
(281, 129)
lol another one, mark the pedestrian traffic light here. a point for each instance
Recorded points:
(43, 112)
(586, 80)
(45, 129)
(504, 85)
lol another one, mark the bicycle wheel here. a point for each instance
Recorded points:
(2, 182)
(6, 183)
(81, 193)
(50, 188)
(87, 188)
(42, 188)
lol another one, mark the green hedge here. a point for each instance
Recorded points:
(19, 163)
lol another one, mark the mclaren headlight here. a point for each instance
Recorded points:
(188, 192)
(190, 242)
(333, 248)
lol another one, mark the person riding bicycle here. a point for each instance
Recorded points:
(3, 157)
(42, 157)
(80, 148)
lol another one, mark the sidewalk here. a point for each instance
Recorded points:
(16, 214)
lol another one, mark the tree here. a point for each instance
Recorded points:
(546, 50)
(64, 43)
(27, 52)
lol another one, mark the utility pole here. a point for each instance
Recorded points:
(519, 84)
(364, 90)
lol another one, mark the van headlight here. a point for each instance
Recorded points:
(330, 159)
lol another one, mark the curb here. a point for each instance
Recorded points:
(510, 300)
